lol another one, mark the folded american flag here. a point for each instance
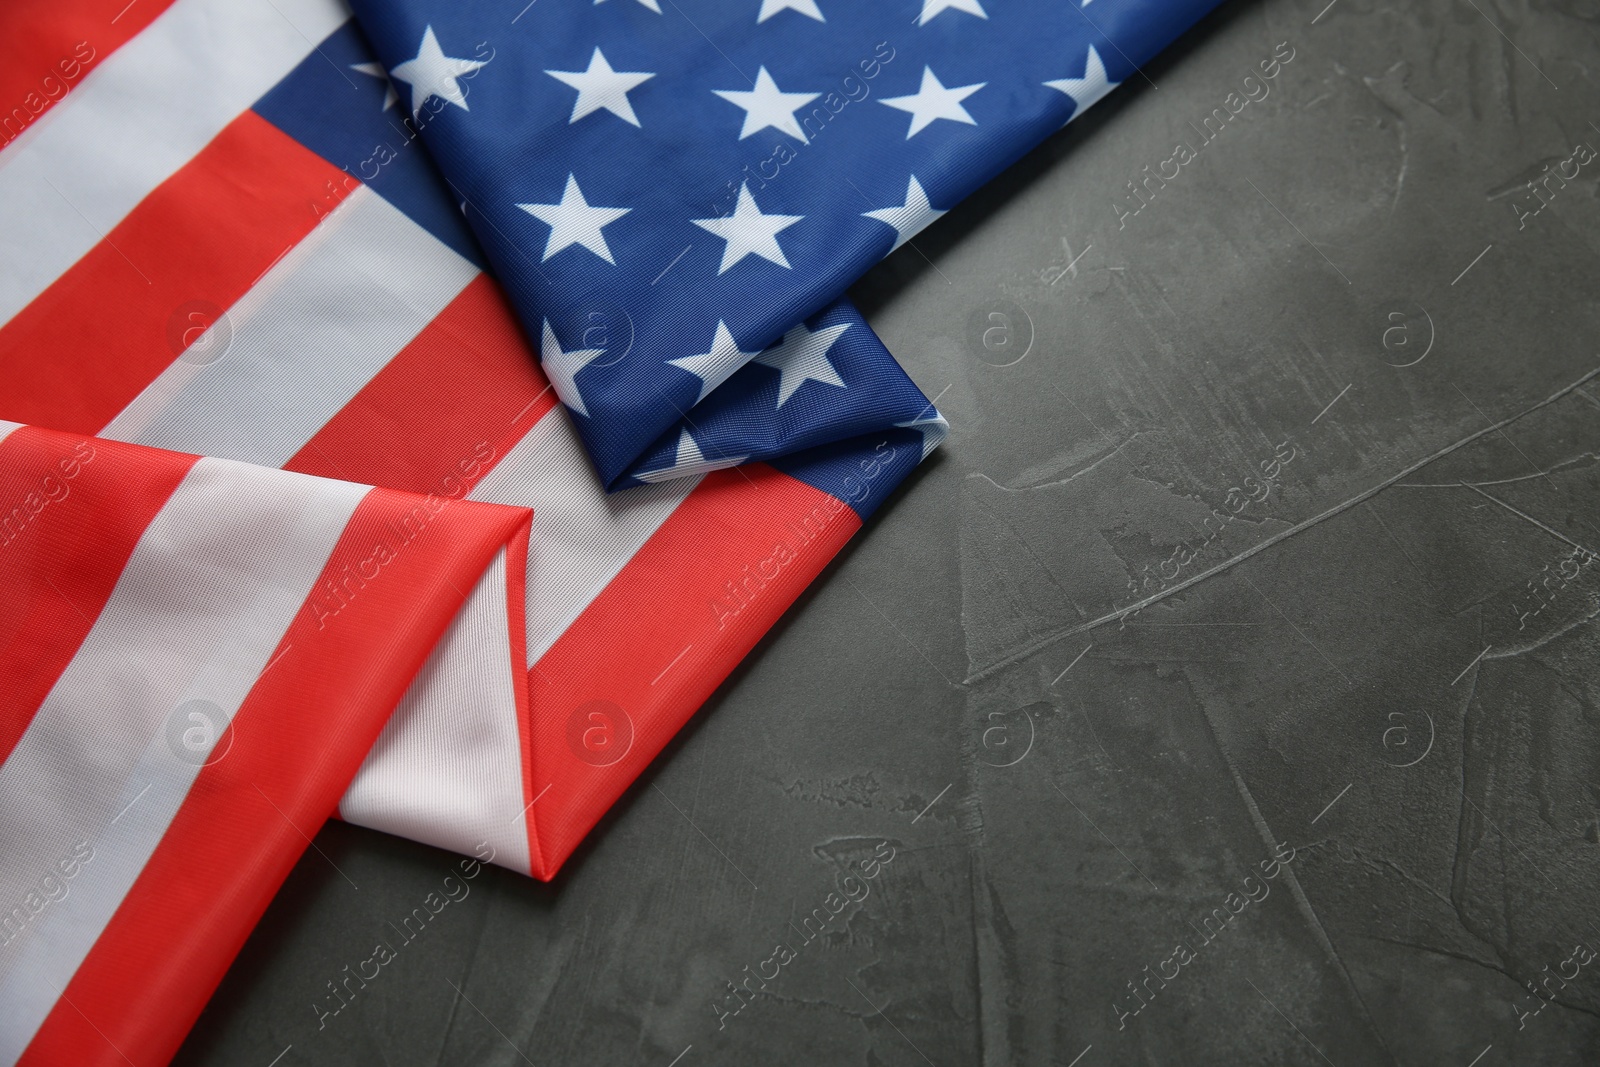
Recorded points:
(208, 252)
(723, 169)
(393, 588)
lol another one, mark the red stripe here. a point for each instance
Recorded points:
(118, 317)
(517, 616)
(449, 405)
(437, 418)
(51, 45)
(59, 564)
(240, 829)
(628, 647)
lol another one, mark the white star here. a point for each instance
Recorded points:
(432, 73)
(766, 105)
(910, 216)
(602, 89)
(770, 8)
(375, 70)
(653, 5)
(749, 232)
(933, 102)
(930, 8)
(933, 431)
(1089, 88)
(714, 366)
(574, 222)
(802, 356)
(562, 368)
(689, 461)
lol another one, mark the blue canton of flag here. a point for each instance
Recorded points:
(704, 178)
(856, 443)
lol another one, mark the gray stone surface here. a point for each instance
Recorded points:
(1113, 651)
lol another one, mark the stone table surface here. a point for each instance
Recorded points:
(1226, 690)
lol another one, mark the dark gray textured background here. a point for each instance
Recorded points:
(1398, 597)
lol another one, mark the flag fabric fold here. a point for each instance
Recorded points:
(201, 655)
(720, 171)
(204, 252)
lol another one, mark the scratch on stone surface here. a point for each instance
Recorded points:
(1460, 862)
(1172, 657)
(588, 989)
(1081, 413)
(1529, 519)
(1374, 513)
(1437, 951)
(858, 790)
(1109, 453)
(978, 984)
(466, 972)
(1283, 535)
(1027, 547)
(1405, 164)
(1582, 459)
(1171, 488)
(1381, 863)
(1201, 625)
(1302, 634)
(1301, 901)
(1497, 968)
(902, 633)
(993, 985)
(840, 850)
(818, 1002)
(1521, 650)
(1521, 181)
(1094, 733)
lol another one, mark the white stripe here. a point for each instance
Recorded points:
(315, 330)
(447, 769)
(6, 428)
(150, 106)
(582, 535)
(306, 339)
(204, 599)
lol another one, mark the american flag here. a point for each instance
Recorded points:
(726, 168)
(296, 522)
(209, 254)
